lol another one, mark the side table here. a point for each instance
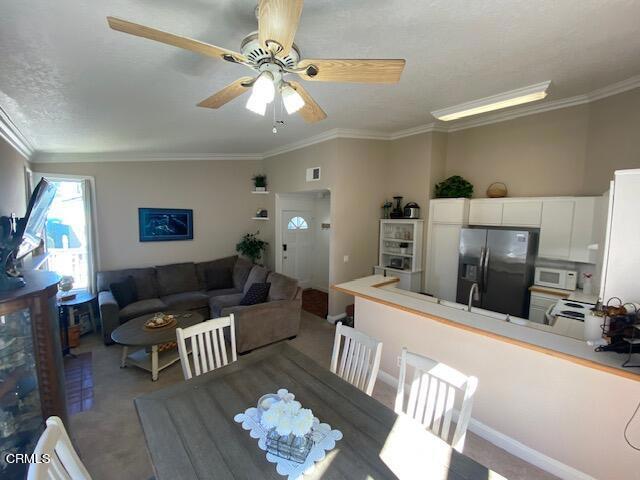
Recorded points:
(70, 308)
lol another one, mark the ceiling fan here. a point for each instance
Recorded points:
(272, 54)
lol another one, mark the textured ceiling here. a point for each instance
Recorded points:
(73, 85)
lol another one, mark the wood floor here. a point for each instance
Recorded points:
(315, 302)
(110, 441)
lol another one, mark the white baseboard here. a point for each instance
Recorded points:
(334, 318)
(511, 445)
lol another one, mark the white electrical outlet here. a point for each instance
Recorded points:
(346, 259)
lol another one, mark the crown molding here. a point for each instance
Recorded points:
(427, 128)
(328, 135)
(12, 134)
(93, 157)
(547, 106)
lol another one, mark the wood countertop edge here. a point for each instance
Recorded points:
(496, 336)
(551, 291)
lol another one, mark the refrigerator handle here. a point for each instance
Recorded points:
(483, 252)
(485, 268)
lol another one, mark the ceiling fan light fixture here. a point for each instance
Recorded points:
(256, 105)
(292, 100)
(264, 89)
(495, 102)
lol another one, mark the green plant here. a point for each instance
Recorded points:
(454, 187)
(260, 181)
(251, 246)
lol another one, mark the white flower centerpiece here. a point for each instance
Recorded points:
(289, 427)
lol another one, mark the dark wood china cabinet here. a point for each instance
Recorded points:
(31, 367)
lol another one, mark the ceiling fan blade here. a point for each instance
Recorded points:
(346, 70)
(278, 22)
(311, 112)
(175, 40)
(227, 94)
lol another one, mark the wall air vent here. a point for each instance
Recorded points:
(313, 174)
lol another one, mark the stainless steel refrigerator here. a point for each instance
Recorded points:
(501, 262)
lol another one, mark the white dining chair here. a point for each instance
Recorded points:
(360, 359)
(208, 349)
(432, 395)
(64, 463)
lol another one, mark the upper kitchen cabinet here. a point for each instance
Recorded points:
(583, 233)
(555, 229)
(522, 213)
(505, 212)
(449, 210)
(485, 212)
(567, 229)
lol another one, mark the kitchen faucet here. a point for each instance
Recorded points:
(474, 294)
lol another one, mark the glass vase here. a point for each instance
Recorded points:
(289, 447)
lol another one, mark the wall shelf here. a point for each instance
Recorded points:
(260, 193)
(260, 218)
(399, 240)
(393, 254)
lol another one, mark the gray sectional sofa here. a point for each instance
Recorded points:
(213, 289)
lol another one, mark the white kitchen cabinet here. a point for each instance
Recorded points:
(485, 212)
(583, 232)
(407, 280)
(522, 213)
(540, 303)
(449, 210)
(568, 228)
(447, 216)
(555, 229)
(442, 261)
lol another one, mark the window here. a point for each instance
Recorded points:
(297, 223)
(67, 236)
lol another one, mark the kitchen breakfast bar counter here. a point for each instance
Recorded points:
(378, 288)
(548, 399)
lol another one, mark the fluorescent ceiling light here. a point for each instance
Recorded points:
(292, 100)
(495, 102)
(256, 105)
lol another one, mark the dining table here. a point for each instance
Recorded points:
(191, 433)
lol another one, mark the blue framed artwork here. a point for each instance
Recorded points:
(165, 224)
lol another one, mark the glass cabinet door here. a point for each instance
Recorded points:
(21, 421)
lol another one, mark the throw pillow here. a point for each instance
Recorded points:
(219, 278)
(124, 292)
(257, 293)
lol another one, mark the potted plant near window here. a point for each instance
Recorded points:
(260, 183)
(251, 246)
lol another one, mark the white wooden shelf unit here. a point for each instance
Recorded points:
(401, 241)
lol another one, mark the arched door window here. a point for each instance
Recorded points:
(297, 223)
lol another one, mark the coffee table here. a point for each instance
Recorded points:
(134, 334)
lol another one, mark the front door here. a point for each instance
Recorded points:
(297, 245)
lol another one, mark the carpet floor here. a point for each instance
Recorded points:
(110, 441)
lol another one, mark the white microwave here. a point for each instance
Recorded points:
(556, 278)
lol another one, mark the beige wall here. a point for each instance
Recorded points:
(12, 181)
(537, 155)
(613, 139)
(571, 151)
(217, 191)
(563, 410)
(354, 172)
